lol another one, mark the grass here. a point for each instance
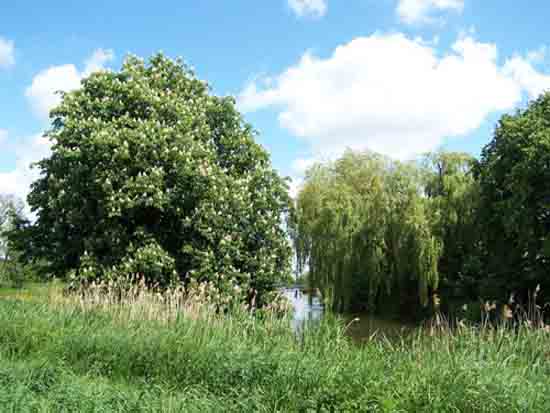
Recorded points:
(34, 291)
(68, 357)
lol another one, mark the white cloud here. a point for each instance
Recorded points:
(301, 165)
(389, 93)
(3, 135)
(426, 11)
(527, 76)
(313, 8)
(7, 53)
(18, 181)
(97, 61)
(43, 92)
(42, 96)
(537, 55)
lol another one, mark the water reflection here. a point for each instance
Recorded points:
(308, 307)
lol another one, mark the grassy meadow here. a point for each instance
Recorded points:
(61, 354)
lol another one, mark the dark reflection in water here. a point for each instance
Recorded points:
(308, 307)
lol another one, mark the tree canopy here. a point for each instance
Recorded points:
(151, 174)
(370, 229)
(363, 230)
(453, 194)
(514, 178)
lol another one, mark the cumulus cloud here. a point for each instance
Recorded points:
(43, 92)
(525, 74)
(7, 53)
(3, 135)
(426, 11)
(29, 150)
(393, 94)
(313, 8)
(97, 61)
(301, 165)
(537, 55)
(43, 97)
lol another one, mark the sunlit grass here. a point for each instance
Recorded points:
(32, 291)
(96, 354)
(96, 357)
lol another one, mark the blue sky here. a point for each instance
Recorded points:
(312, 76)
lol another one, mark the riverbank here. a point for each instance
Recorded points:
(61, 358)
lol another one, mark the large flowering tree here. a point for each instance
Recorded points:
(151, 174)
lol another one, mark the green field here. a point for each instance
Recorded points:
(59, 358)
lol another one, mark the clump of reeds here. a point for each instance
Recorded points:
(494, 316)
(131, 298)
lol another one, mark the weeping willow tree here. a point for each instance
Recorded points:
(363, 231)
(454, 193)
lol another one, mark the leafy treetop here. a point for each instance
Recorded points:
(152, 174)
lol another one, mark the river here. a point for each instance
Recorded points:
(308, 307)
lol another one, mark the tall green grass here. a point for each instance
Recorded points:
(67, 358)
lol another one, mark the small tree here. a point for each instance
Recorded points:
(151, 174)
(11, 214)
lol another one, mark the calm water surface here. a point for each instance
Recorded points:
(308, 307)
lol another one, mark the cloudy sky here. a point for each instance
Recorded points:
(314, 77)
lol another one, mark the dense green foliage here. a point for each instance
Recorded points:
(514, 177)
(55, 360)
(150, 174)
(364, 229)
(453, 197)
(375, 231)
